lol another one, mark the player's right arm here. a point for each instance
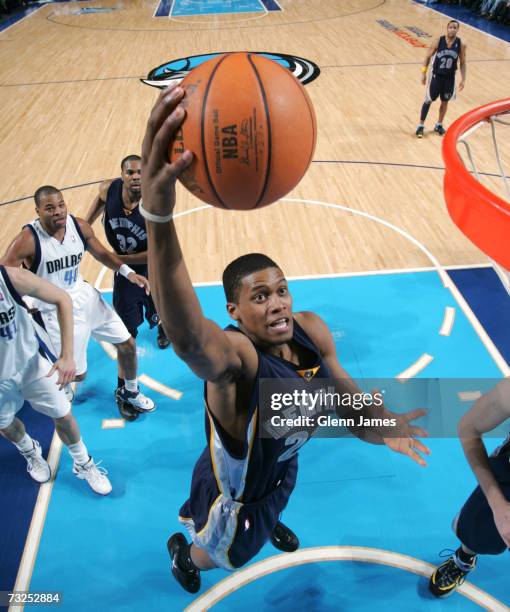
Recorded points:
(20, 251)
(211, 353)
(430, 53)
(27, 283)
(97, 207)
(486, 414)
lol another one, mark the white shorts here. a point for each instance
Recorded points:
(33, 386)
(92, 316)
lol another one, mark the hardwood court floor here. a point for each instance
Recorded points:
(72, 106)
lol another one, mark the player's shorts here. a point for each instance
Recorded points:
(475, 524)
(33, 386)
(132, 304)
(229, 531)
(442, 86)
(92, 317)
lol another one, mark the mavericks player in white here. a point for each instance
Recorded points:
(52, 246)
(25, 374)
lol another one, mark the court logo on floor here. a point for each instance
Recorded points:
(303, 69)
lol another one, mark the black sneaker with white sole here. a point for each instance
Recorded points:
(284, 539)
(183, 569)
(449, 576)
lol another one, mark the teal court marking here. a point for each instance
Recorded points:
(111, 552)
(191, 8)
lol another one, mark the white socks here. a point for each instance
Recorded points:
(25, 445)
(79, 452)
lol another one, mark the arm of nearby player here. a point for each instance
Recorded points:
(21, 250)
(463, 66)
(486, 414)
(428, 56)
(27, 283)
(108, 258)
(97, 207)
(211, 353)
(400, 438)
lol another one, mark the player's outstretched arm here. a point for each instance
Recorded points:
(485, 415)
(97, 207)
(207, 349)
(402, 438)
(108, 258)
(27, 283)
(463, 66)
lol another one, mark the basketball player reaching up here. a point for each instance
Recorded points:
(445, 51)
(241, 482)
(125, 231)
(52, 246)
(26, 373)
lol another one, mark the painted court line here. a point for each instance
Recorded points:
(26, 566)
(449, 318)
(469, 396)
(419, 365)
(332, 553)
(159, 387)
(113, 424)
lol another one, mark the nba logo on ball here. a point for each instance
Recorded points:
(249, 123)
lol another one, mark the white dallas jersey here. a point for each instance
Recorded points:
(18, 342)
(56, 261)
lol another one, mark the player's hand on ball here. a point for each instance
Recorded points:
(407, 443)
(141, 281)
(158, 174)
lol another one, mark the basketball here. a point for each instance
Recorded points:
(251, 127)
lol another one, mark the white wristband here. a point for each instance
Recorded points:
(125, 270)
(154, 218)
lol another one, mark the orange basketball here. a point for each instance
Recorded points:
(251, 127)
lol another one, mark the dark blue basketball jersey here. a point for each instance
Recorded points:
(264, 461)
(126, 233)
(445, 60)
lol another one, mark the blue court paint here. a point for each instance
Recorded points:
(271, 5)
(469, 17)
(18, 494)
(164, 8)
(18, 16)
(186, 8)
(348, 492)
(490, 302)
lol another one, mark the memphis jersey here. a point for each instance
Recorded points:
(445, 59)
(18, 342)
(58, 261)
(265, 461)
(125, 233)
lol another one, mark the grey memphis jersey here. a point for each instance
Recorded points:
(18, 341)
(58, 261)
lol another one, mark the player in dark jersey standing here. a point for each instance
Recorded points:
(446, 51)
(125, 231)
(241, 482)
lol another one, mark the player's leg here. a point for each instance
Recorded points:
(447, 93)
(108, 327)
(431, 94)
(45, 397)
(477, 532)
(152, 318)
(12, 429)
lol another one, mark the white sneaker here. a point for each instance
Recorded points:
(135, 399)
(94, 475)
(37, 466)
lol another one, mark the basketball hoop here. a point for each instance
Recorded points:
(480, 214)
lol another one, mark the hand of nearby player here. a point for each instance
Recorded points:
(423, 78)
(141, 281)
(404, 436)
(502, 521)
(66, 368)
(158, 174)
(461, 85)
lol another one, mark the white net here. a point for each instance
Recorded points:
(485, 150)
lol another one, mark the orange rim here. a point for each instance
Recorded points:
(479, 213)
